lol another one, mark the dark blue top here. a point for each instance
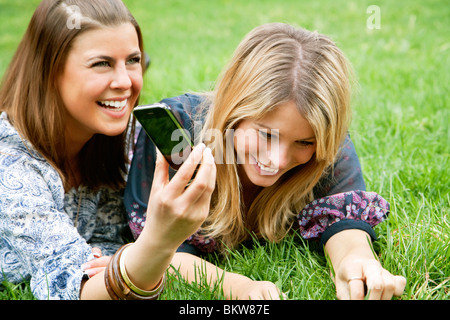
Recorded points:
(346, 177)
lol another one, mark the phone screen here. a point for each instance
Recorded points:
(166, 132)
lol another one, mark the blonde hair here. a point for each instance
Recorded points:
(276, 63)
(29, 94)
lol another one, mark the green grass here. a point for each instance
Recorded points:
(400, 122)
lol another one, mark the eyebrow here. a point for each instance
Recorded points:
(108, 58)
(268, 128)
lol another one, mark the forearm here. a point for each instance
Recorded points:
(174, 212)
(192, 268)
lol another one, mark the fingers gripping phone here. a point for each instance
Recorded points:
(166, 132)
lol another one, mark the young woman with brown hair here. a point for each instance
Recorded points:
(65, 134)
(292, 86)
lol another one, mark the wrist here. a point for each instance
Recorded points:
(347, 243)
(146, 263)
(158, 235)
(120, 287)
(235, 285)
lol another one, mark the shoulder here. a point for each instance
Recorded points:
(189, 108)
(190, 104)
(186, 102)
(21, 167)
(12, 144)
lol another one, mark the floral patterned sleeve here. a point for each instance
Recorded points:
(327, 216)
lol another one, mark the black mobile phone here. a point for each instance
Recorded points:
(166, 132)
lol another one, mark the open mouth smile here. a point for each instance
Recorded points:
(113, 105)
(266, 170)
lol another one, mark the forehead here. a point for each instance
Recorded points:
(107, 39)
(288, 120)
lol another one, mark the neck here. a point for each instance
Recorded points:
(73, 149)
(73, 174)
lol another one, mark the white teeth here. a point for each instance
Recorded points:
(267, 169)
(115, 104)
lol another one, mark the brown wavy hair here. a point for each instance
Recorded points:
(30, 97)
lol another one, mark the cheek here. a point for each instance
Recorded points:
(87, 90)
(137, 81)
(306, 155)
(245, 143)
(95, 88)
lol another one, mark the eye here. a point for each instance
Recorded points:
(305, 144)
(135, 60)
(101, 64)
(266, 134)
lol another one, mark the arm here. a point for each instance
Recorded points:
(343, 219)
(341, 202)
(235, 286)
(174, 212)
(345, 177)
(355, 265)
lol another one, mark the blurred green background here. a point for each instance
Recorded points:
(400, 111)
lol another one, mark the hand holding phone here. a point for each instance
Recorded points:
(176, 211)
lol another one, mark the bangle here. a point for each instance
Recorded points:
(116, 286)
(131, 285)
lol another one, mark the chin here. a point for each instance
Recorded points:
(114, 132)
(264, 182)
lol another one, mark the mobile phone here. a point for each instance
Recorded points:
(166, 132)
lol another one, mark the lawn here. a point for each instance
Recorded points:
(400, 121)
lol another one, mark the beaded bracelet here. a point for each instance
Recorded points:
(117, 287)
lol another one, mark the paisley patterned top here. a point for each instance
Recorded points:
(45, 234)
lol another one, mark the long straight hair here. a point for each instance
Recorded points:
(276, 63)
(29, 92)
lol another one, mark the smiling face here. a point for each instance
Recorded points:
(269, 147)
(101, 82)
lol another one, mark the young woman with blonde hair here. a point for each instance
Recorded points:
(277, 124)
(65, 134)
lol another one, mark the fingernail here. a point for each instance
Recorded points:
(89, 272)
(85, 266)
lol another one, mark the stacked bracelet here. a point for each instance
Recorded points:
(120, 287)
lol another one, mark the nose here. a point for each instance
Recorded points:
(121, 78)
(279, 156)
